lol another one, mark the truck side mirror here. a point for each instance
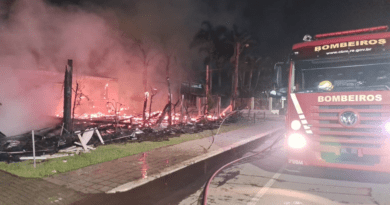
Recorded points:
(277, 78)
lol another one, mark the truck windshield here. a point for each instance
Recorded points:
(342, 76)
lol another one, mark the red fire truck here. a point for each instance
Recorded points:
(338, 98)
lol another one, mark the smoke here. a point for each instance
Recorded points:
(117, 40)
(36, 36)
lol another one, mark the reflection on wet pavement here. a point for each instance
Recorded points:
(144, 165)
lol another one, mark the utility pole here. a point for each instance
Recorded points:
(207, 89)
(67, 119)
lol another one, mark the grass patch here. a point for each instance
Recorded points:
(101, 154)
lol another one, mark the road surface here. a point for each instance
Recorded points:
(267, 179)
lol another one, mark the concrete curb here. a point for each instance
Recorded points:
(131, 185)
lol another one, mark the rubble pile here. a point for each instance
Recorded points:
(111, 129)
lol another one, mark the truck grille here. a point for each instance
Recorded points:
(367, 134)
(325, 121)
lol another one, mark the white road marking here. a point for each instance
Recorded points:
(265, 188)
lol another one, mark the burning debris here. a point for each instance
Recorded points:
(82, 133)
(92, 102)
(130, 129)
(88, 131)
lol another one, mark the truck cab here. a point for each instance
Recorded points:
(339, 101)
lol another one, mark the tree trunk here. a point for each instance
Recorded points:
(257, 80)
(210, 82)
(145, 77)
(220, 78)
(145, 70)
(150, 104)
(243, 79)
(235, 77)
(67, 120)
(169, 93)
(250, 80)
(144, 110)
(181, 109)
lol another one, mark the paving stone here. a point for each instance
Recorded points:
(96, 186)
(87, 184)
(104, 189)
(94, 191)
(119, 181)
(79, 182)
(106, 183)
(96, 180)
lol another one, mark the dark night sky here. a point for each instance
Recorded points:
(275, 24)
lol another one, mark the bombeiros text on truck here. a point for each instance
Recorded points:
(338, 98)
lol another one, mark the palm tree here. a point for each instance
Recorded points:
(240, 40)
(210, 40)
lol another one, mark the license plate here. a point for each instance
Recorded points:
(349, 151)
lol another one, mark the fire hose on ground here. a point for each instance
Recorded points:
(205, 192)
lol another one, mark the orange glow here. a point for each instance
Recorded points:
(144, 166)
(229, 108)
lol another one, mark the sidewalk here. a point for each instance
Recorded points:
(16, 190)
(132, 171)
(125, 173)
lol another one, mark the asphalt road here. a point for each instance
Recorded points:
(262, 179)
(267, 179)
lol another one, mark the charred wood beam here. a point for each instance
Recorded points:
(105, 122)
(144, 110)
(166, 109)
(176, 104)
(67, 120)
(154, 92)
(169, 92)
(75, 99)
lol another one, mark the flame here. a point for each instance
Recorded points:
(105, 111)
(139, 120)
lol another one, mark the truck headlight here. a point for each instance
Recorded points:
(387, 127)
(295, 125)
(296, 141)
